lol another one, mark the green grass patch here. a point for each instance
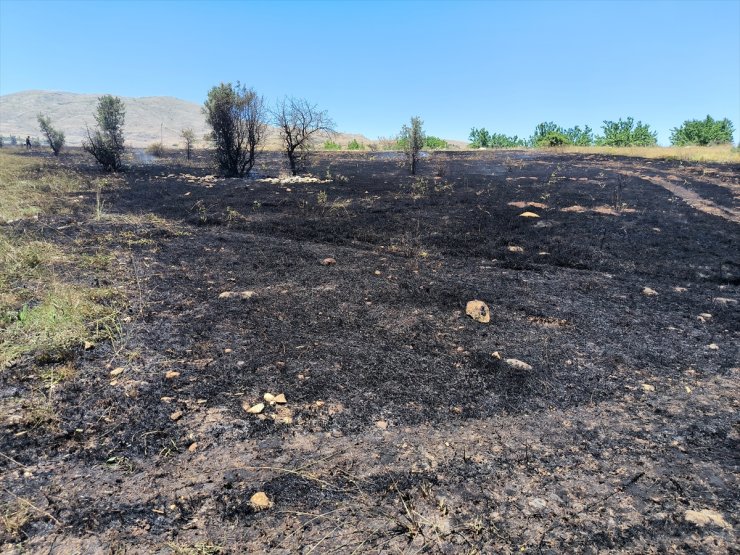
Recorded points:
(29, 187)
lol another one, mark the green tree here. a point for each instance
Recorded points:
(627, 133)
(479, 138)
(580, 137)
(237, 117)
(703, 132)
(331, 145)
(413, 141)
(188, 135)
(435, 143)
(354, 145)
(105, 143)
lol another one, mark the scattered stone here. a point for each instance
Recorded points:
(705, 316)
(707, 516)
(328, 262)
(528, 215)
(280, 399)
(240, 363)
(175, 416)
(192, 447)
(166, 399)
(713, 347)
(269, 397)
(382, 424)
(724, 300)
(514, 248)
(234, 294)
(680, 289)
(377, 272)
(649, 292)
(478, 311)
(256, 409)
(646, 387)
(228, 351)
(543, 253)
(89, 345)
(537, 504)
(496, 355)
(171, 375)
(517, 364)
(117, 371)
(260, 501)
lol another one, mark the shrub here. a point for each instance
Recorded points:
(238, 120)
(354, 145)
(156, 150)
(703, 132)
(627, 133)
(435, 143)
(331, 145)
(479, 138)
(413, 138)
(106, 142)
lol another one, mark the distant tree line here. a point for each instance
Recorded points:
(623, 132)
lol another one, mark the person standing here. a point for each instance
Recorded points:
(28, 142)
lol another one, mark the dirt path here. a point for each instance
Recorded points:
(691, 197)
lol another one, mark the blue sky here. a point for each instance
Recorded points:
(505, 66)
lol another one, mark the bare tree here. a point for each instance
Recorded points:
(238, 119)
(188, 135)
(411, 139)
(298, 122)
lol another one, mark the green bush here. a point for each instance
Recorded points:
(331, 145)
(435, 143)
(627, 133)
(354, 145)
(553, 138)
(703, 132)
(105, 143)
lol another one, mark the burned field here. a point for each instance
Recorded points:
(406, 426)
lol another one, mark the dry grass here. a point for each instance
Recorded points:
(725, 154)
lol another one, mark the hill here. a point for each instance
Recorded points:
(146, 117)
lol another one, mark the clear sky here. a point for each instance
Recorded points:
(505, 66)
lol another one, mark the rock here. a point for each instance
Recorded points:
(382, 424)
(707, 516)
(646, 387)
(192, 447)
(117, 371)
(680, 289)
(269, 397)
(724, 300)
(175, 416)
(649, 292)
(705, 315)
(517, 364)
(514, 248)
(328, 262)
(280, 399)
(256, 409)
(496, 355)
(171, 375)
(89, 345)
(713, 347)
(528, 215)
(478, 311)
(260, 501)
